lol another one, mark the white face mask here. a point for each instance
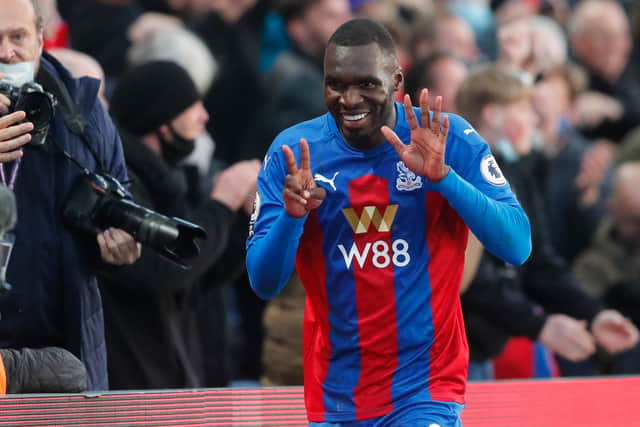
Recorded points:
(18, 74)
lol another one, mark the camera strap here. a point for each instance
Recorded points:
(11, 183)
(73, 119)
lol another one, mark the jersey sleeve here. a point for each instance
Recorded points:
(478, 190)
(273, 234)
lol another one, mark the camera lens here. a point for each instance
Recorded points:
(148, 227)
(38, 108)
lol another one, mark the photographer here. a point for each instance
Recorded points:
(28, 370)
(54, 299)
(152, 339)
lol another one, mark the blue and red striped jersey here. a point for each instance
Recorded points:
(381, 260)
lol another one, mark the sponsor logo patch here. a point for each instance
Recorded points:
(491, 171)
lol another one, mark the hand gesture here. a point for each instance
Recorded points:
(613, 331)
(425, 154)
(300, 194)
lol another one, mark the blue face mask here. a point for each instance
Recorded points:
(505, 151)
(18, 74)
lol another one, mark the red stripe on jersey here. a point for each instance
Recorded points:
(312, 270)
(449, 356)
(375, 298)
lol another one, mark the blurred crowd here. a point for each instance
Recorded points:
(552, 85)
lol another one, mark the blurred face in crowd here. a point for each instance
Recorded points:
(454, 35)
(447, 75)
(314, 28)
(604, 41)
(624, 206)
(359, 87)
(551, 100)
(512, 10)
(516, 122)
(20, 39)
(190, 124)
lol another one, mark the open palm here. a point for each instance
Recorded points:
(425, 153)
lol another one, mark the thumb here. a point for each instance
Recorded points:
(393, 139)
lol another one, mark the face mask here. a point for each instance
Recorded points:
(176, 150)
(18, 74)
(505, 151)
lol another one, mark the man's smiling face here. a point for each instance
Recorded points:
(359, 87)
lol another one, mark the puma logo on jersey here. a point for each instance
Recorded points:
(468, 131)
(322, 178)
(371, 215)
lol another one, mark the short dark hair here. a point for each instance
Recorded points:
(362, 31)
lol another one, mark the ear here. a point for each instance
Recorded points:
(165, 132)
(40, 42)
(398, 80)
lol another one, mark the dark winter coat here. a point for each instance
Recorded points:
(55, 299)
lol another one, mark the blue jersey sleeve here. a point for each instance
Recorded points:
(274, 235)
(476, 188)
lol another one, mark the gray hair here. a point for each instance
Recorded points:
(551, 47)
(588, 11)
(181, 46)
(38, 13)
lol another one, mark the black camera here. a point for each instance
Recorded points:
(98, 201)
(38, 104)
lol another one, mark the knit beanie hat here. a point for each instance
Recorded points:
(150, 95)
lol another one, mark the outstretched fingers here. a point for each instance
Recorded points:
(435, 120)
(305, 157)
(425, 116)
(409, 113)
(445, 129)
(290, 160)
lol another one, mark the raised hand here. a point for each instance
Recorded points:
(425, 154)
(300, 194)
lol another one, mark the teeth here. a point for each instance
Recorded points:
(354, 117)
